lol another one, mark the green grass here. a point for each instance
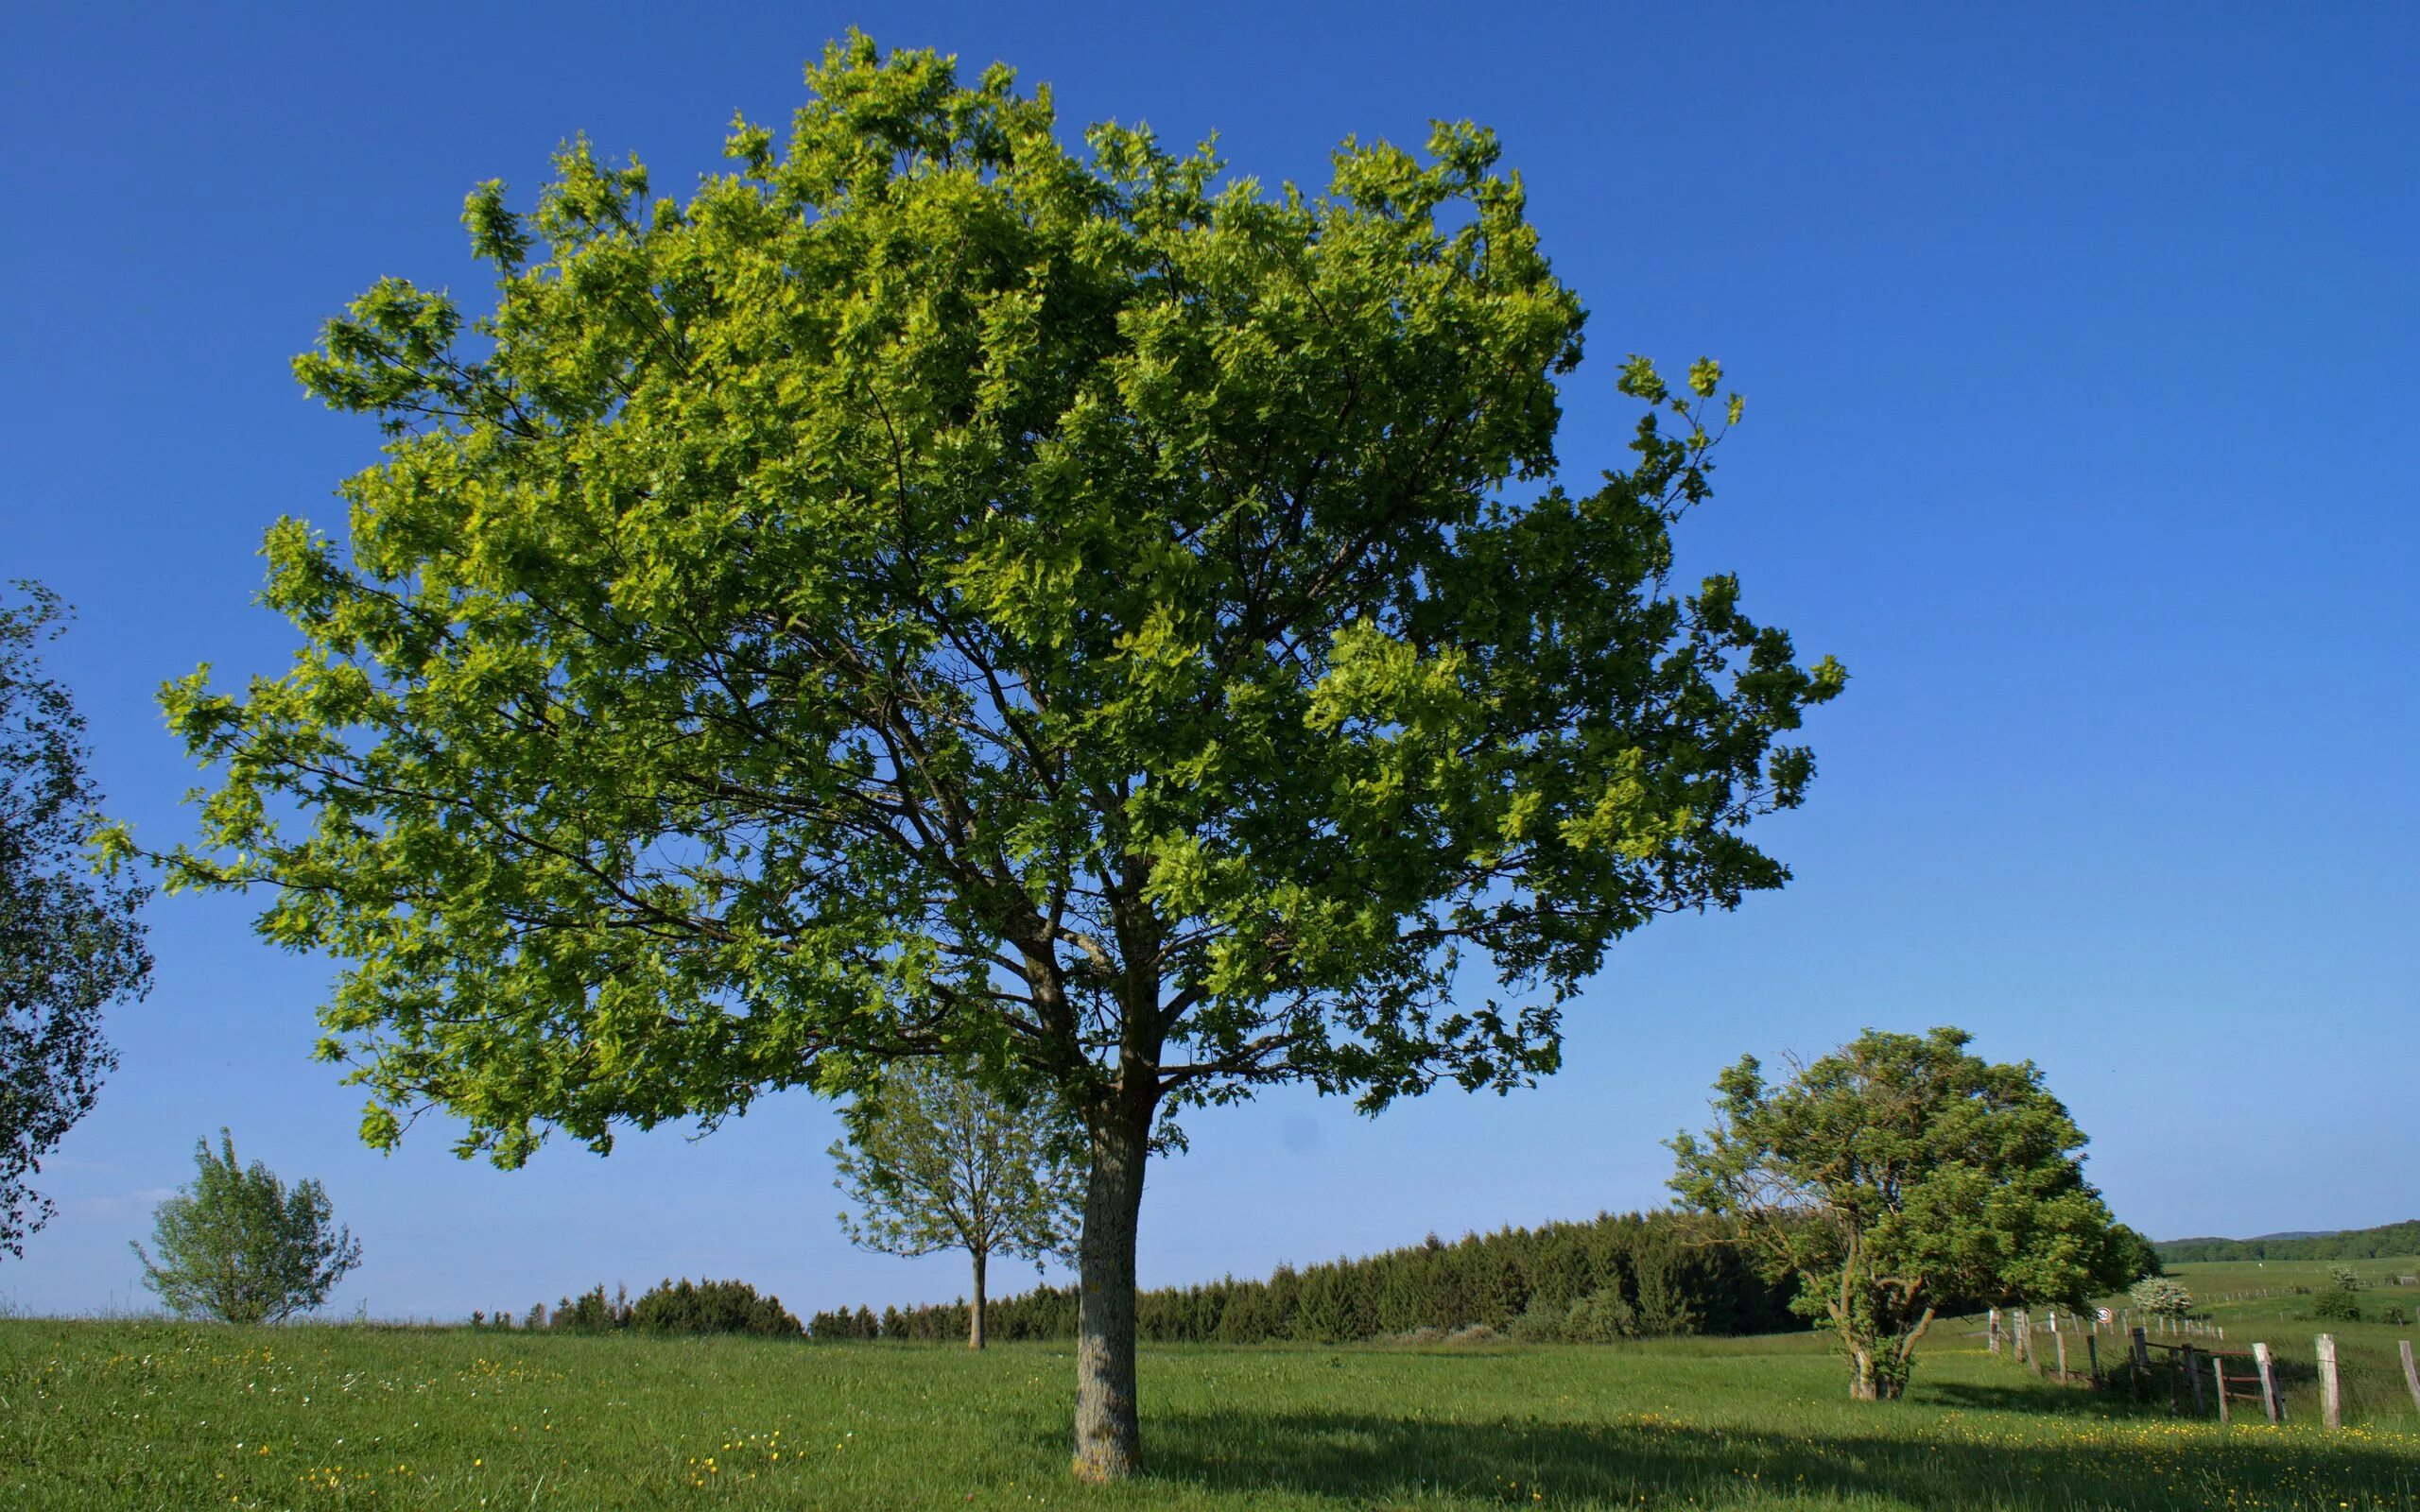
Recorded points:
(2371, 1368)
(129, 1413)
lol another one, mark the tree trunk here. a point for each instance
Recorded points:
(1108, 1433)
(974, 1313)
(1863, 1385)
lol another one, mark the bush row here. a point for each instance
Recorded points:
(670, 1307)
(1618, 1277)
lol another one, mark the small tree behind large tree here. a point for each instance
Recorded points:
(1896, 1175)
(935, 1161)
(240, 1246)
(70, 942)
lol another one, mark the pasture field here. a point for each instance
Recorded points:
(158, 1415)
(2372, 1371)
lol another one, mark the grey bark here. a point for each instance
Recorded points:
(1108, 1429)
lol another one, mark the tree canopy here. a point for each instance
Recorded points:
(1895, 1175)
(70, 942)
(932, 591)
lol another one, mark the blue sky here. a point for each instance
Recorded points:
(2079, 349)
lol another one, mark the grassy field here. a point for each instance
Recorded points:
(2373, 1372)
(161, 1415)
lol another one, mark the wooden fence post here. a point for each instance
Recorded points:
(2140, 1361)
(2269, 1403)
(2193, 1373)
(2410, 1373)
(1992, 1330)
(2059, 1341)
(2219, 1368)
(2092, 1358)
(2023, 1330)
(2331, 1391)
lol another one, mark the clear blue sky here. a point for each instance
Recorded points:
(2079, 349)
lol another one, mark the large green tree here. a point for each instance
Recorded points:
(935, 592)
(1897, 1174)
(70, 942)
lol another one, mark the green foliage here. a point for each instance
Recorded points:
(862, 1324)
(1601, 1317)
(2352, 1243)
(2161, 1296)
(2132, 1257)
(71, 943)
(2345, 1278)
(2394, 1315)
(592, 1312)
(2336, 1305)
(931, 590)
(237, 1246)
(1897, 1174)
(1616, 1277)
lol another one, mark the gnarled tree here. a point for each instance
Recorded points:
(1897, 1174)
(933, 592)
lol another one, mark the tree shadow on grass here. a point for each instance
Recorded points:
(2045, 1399)
(1366, 1458)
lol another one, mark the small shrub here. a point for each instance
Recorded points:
(2161, 1295)
(2394, 1314)
(2345, 1278)
(1472, 1333)
(2338, 1306)
(1601, 1317)
(240, 1246)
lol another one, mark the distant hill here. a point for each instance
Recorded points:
(2344, 1243)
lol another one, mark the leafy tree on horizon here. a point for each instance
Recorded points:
(934, 1159)
(1897, 1174)
(70, 942)
(934, 593)
(240, 1246)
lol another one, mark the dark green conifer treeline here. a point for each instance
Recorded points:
(1618, 1277)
